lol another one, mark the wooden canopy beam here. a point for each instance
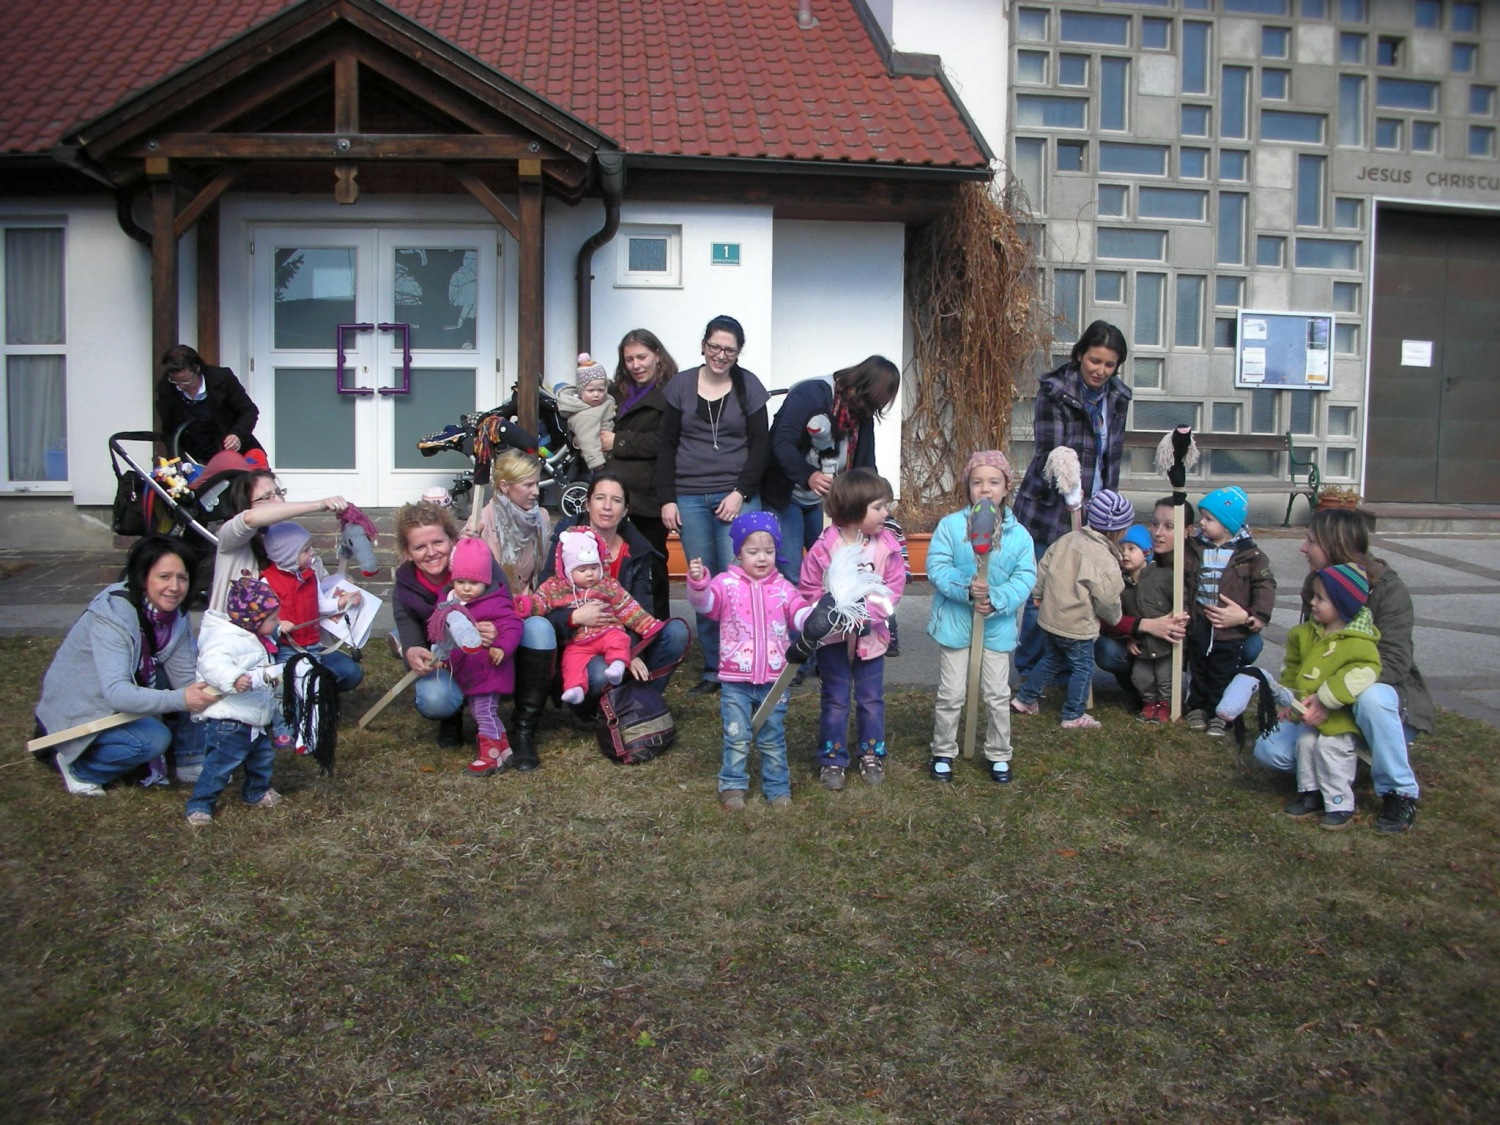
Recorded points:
(342, 146)
(487, 199)
(204, 200)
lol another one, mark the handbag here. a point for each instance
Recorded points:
(126, 516)
(635, 724)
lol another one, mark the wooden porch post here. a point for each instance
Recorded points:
(208, 288)
(163, 260)
(532, 300)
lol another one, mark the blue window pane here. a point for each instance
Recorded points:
(1031, 25)
(1314, 9)
(1139, 160)
(1351, 48)
(1275, 42)
(1235, 102)
(1037, 111)
(1171, 203)
(1387, 51)
(1194, 57)
(1114, 82)
(1326, 254)
(1031, 67)
(1465, 17)
(1310, 191)
(1259, 7)
(1156, 35)
(1481, 100)
(1351, 109)
(1348, 214)
(1194, 121)
(1192, 163)
(1284, 125)
(1028, 168)
(1270, 250)
(1428, 15)
(1067, 301)
(1093, 27)
(1387, 133)
(1072, 156)
(1229, 292)
(1188, 332)
(1352, 11)
(1112, 200)
(1072, 70)
(1150, 245)
(647, 255)
(1234, 165)
(1275, 84)
(1346, 296)
(1481, 140)
(1424, 136)
(1465, 58)
(1231, 229)
(1149, 290)
(1109, 287)
(1406, 93)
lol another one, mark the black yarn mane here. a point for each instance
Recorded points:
(312, 711)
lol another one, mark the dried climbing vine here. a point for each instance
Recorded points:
(979, 322)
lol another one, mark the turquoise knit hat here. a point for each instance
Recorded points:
(1230, 506)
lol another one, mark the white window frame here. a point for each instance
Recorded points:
(58, 487)
(670, 278)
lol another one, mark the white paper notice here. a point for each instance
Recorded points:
(1416, 353)
(1253, 364)
(1255, 328)
(1317, 369)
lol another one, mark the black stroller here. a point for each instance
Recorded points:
(480, 434)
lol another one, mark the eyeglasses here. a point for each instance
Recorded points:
(720, 350)
(266, 498)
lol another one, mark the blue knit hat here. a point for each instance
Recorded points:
(1141, 538)
(1230, 506)
(1109, 511)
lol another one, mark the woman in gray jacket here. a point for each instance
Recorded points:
(132, 653)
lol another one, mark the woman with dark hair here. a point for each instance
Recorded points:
(131, 652)
(825, 427)
(643, 372)
(218, 412)
(258, 501)
(1082, 405)
(628, 560)
(711, 456)
(1389, 713)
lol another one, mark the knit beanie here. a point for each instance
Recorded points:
(1348, 588)
(1109, 511)
(1230, 506)
(579, 548)
(748, 524)
(471, 562)
(251, 601)
(1141, 538)
(590, 371)
(994, 459)
(284, 543)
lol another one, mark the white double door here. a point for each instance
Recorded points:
(366, 339)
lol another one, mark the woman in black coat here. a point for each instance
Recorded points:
(220, 415)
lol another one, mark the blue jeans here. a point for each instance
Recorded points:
(1059, 653)
(737, 704)
(1030, 646)
(800, 527)
(230, 746)
(1111, 655)
(117, 751)
(665, 649)
(1378, 714)
(705, 536)
(850, 683)
(436, 694)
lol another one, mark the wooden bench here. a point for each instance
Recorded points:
(1270, 443)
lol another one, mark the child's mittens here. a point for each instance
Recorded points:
(523, 604)
(614, 671)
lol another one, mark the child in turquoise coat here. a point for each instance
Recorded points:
(1011, 573)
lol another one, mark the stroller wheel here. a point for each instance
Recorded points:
(574, 497)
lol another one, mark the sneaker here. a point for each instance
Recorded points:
(200, 819)
(1083, 722)
(871, 772)
(733, 800)
(940, 769)
(831, 777)
(282, 742)
(1398, 813)
(1305, 804)
(1216, 727)
(268, 800)
(1001, 773)
(1334, 821)
(1022, 708)
(782, 802)
(76, 785)
(1196, 721)
(1148, 714)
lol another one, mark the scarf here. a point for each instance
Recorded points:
(845, 428)
(518, 534)
(634, 398)
(159, 629)
(1093, 402)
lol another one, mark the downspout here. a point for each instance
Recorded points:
(73, 156)
(612, 183)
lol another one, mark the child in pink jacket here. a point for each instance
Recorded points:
(757, 611)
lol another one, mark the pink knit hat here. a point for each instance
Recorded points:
(579, 548)
(471, 562)
(993, 459)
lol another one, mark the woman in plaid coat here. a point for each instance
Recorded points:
(1085, 405)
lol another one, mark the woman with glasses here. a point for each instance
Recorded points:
(258, 502)
(711, 454)
(219, 414)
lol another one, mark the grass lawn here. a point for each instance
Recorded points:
(1131, 932)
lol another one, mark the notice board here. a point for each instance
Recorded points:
(1284, 350)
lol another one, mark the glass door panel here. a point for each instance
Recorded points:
(315, 293)
(315, 425)
(438, 396)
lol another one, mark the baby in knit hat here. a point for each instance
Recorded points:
(589, 409)
(234, 659)
(579, 576)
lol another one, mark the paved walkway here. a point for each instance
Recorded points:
(1454, 581)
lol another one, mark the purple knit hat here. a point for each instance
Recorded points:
(250, 602)
(748, 524)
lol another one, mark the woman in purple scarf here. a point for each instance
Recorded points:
(645, 367)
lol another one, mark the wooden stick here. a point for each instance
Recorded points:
(119, 719)
(1178, 564)
(976, 666)
(385, 700)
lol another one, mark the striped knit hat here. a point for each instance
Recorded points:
(1348, 588)
(1109, 511)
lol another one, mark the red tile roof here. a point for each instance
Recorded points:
(708, 78)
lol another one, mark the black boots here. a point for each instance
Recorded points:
(533, 682)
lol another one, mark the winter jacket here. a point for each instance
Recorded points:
(756, 621)
(225, 653)
(1078, 584)
(412, 604)
(1391, 609)
(586, 422)
(882, 554)
(1011, 573)
(475, 672)
(93, 673)
(634, 573)
(1336, 667)
(299, 602)
(633, 457)
(1061, 419)
(1247, 581)
(232, 409)
(1149, 595)
(558, 595)
(790, 444)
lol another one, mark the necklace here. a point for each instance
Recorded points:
(713, 419)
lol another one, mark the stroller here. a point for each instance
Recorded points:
(477, 435)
